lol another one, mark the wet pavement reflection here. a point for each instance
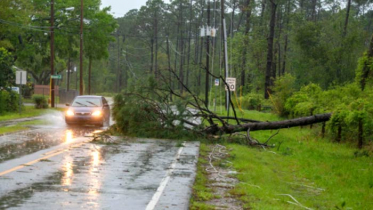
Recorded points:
(27, 142)
(57, 167)
(91, 177)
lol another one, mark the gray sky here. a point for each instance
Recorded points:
(120, 7)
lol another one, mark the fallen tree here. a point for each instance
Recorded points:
(158, 110)
(229, 129)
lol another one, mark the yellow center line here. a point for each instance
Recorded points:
(39, 159)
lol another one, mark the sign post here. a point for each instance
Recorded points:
(21, 79)
(57, 76)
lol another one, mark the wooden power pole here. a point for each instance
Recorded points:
(207, 55)
(52, 54)
(81, 48)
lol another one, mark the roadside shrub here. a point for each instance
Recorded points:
(9, 101)
(283, 89)
(304, 102)
(40, 102)
(252, 101)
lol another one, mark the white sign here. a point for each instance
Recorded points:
(217, 82)
(208, 31)
(231, 81)
(21, 77)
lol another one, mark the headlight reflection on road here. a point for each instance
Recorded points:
(95, 181)
(68, 174)
(69, 136)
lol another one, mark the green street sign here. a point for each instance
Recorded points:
(56, 76)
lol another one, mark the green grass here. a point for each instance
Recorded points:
(33, 122)
(22, 126)
(12, 129)
(318, 173)
(28, 111)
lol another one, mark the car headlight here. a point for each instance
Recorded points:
(96, 113)
(69, 113)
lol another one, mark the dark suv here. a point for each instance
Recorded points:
(88, 110)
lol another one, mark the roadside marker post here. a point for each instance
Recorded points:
(21, 79)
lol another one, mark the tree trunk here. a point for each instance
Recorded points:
(247, 9)
(347, 17)
(68, 74)
(151, 54)
(339, 134)
(169, 66)
(361, 133)
(286, 39)
(156, 73)
(189, 40)
(89, 75)
(313, 12)
(229, 129)
(267, 88)
(366, 67)
(262, 12)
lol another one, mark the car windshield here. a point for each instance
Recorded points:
(87, 102)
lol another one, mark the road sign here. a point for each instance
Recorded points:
(217, 82)
(21, 77)
(56, 76)
(231, 81)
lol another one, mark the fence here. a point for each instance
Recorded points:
(62, 96)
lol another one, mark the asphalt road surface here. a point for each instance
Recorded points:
(57, 167)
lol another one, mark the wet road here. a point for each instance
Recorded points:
(56, 167)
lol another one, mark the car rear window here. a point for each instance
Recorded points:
(87, 102)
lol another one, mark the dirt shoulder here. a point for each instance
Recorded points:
(215, 180)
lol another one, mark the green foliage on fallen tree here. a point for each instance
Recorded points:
(146, 112)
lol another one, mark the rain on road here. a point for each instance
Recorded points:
(56, 167)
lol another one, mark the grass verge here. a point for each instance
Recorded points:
(316, 172)
(12, 129)
(22, 126)
(201, 190)
(28, 111)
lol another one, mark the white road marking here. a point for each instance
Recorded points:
(153, 202)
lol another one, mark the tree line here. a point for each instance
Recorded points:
(315, 41)
(25, 33)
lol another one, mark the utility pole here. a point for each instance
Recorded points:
(225, 47)
(118, 63)
(52, 54)
(207, 55)
(68, 74)
(81, 48)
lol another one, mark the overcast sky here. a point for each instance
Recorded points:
(120, 7)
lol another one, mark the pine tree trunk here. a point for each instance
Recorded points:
(156, 73)
(267, 88)
(89, 75)
(303, 121)
(247, 9)
(361, 133)
(151, 54)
